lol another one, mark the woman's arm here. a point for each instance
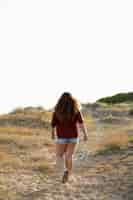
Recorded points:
(84, 130)
(53, 133)
(81, 124)
(53, 125)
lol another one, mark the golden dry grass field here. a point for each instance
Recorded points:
(102, 166)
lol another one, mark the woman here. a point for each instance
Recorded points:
(65, 119)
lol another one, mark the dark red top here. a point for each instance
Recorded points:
(69, 129)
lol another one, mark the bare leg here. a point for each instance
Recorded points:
(68, 156)
(60, 149)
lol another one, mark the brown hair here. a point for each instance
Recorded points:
(66, 107)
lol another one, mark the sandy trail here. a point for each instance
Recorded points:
(95, 177)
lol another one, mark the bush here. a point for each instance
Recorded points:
(118, 98)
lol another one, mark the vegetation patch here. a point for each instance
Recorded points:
(118, 98)
(114, 120)
(109, 149)
(130, 138)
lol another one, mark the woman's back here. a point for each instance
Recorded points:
(68, 128)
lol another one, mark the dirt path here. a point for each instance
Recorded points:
(95, 178)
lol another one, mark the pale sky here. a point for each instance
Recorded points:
(51, 46)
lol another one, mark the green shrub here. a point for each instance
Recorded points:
(118, 98)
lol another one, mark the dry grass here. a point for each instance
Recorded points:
(42, 166)
(130, 138)
(9, 161)
(17, 144)
(45, 115)
(24, 148)
(113, 140)
(116, 107)
(4, 156)
(18, 131)
(29, 152)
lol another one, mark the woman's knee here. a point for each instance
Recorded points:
(59, 155)
(68, 156)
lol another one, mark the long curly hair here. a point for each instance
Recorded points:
(66, 107)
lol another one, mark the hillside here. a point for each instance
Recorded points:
(102, 167)
(29, 117)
